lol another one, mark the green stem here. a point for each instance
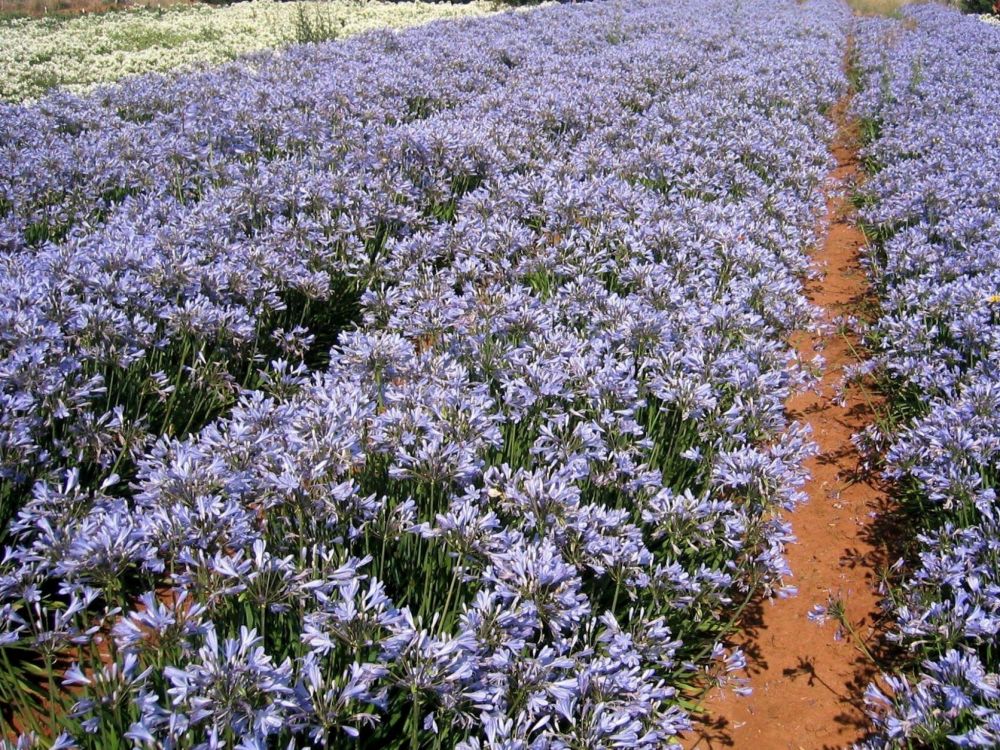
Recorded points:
(447, 601)
(415, 723)
(859, 643)
(50, 674)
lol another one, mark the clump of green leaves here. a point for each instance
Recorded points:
(316, 24)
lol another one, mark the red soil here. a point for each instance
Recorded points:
(808, 680)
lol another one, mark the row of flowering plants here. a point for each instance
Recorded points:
(423, 390)
(932, 208)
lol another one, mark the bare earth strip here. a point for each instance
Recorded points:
(808, 679)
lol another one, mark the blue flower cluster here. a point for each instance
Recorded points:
(424, 390)
(934, 204)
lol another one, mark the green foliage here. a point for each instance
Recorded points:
(978, 6)
(316, 24)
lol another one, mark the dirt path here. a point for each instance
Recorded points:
(808, 684)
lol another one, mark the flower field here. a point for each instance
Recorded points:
(419, 390)
(428, 388)
(78, 53)
(932, 206)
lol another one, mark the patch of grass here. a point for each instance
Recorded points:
(140, 38)
(45, 80)
(878, 7)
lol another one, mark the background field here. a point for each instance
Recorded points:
(79, 52)
(38, 8)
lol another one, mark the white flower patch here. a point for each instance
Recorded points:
(77, 53)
